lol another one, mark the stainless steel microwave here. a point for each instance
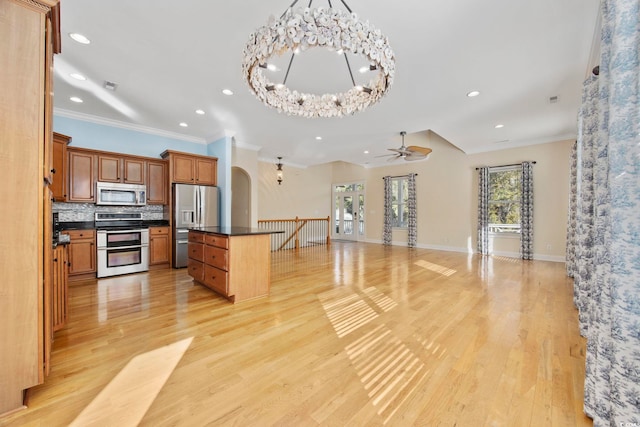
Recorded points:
(115, 194)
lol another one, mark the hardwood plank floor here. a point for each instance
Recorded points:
(355, 334)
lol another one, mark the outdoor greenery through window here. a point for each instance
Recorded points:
(399, 198)
(504, 200)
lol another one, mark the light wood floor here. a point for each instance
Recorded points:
(358, 334)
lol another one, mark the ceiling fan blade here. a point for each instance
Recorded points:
(400, 150)
(387, 155)
(417, 149)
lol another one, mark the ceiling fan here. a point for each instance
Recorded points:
(412, 152)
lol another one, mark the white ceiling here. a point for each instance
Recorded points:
(170, 58)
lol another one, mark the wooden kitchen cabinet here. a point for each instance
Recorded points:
(157, 182)
(188, 168)
(82, 253)
(81, 176)
(60, 289)
(121, 169)
(235, 265)
(29, 36)
(159, 246)
(59, 171)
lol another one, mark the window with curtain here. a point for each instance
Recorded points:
(399, 202)
(505, 195)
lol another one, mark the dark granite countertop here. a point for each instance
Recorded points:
(234, 231)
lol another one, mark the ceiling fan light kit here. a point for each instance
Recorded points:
(334, 29)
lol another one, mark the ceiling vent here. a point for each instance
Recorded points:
(110, 85)
(553, 99)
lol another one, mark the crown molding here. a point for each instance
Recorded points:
(128, 126)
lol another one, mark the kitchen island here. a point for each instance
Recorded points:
(235, 262)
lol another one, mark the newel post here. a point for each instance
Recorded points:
(328, 231)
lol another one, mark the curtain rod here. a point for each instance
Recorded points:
(505, 166)
(400, 176)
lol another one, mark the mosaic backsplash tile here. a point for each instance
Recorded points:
(81, 212)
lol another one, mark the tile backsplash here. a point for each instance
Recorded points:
(81, 212)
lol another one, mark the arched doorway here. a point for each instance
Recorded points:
(240, 198)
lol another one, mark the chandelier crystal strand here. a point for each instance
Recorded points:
(307, 28)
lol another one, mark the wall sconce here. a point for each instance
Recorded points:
(279, 170)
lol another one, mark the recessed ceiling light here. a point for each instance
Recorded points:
(366, 151)
(319, 138)
(473, 93)
(76, 99)
(500, 126)
(227, 92)
(78, 76)
(201, 112)
(183, 124)
(79, 38)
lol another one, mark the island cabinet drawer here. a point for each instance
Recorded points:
(216, 257)
(216, 279)
(217, 240)
(196, 237)
(196, 251)
(196, 270)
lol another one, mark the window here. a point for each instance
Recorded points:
(399, 198)
(504, 200)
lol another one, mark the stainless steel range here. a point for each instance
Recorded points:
(123, 243)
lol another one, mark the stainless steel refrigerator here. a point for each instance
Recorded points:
(193, 206)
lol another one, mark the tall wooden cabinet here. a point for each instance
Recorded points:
(26, 46)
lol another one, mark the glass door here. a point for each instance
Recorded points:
(349, 216)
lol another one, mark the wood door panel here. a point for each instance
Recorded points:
(81, 177)
(133, 171)
(157, 183)
(109, 169)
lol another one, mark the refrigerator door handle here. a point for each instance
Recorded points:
(198, 207)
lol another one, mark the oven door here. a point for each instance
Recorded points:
(122, 252)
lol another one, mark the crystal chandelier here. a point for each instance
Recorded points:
(334, 29)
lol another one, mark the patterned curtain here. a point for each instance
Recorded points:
(526, 211)
(607, 249)
(413, 215)
(483, 210)
(388, 213)
(570, 249)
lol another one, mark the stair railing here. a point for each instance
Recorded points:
(298, 232)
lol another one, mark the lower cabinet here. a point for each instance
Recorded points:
(159, 246)
(82, 253)
(235, 266)
(59, 294)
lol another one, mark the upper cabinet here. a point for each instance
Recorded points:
(86, 167)
(59, 170)
(157, 182)
(123, 169)
(81, 176)
(188, 168)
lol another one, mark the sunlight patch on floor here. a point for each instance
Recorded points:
(381, 300)
(387, 368)
(435, 268)
(346, 313)
(125, 400)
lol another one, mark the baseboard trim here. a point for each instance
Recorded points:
(536, 257)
